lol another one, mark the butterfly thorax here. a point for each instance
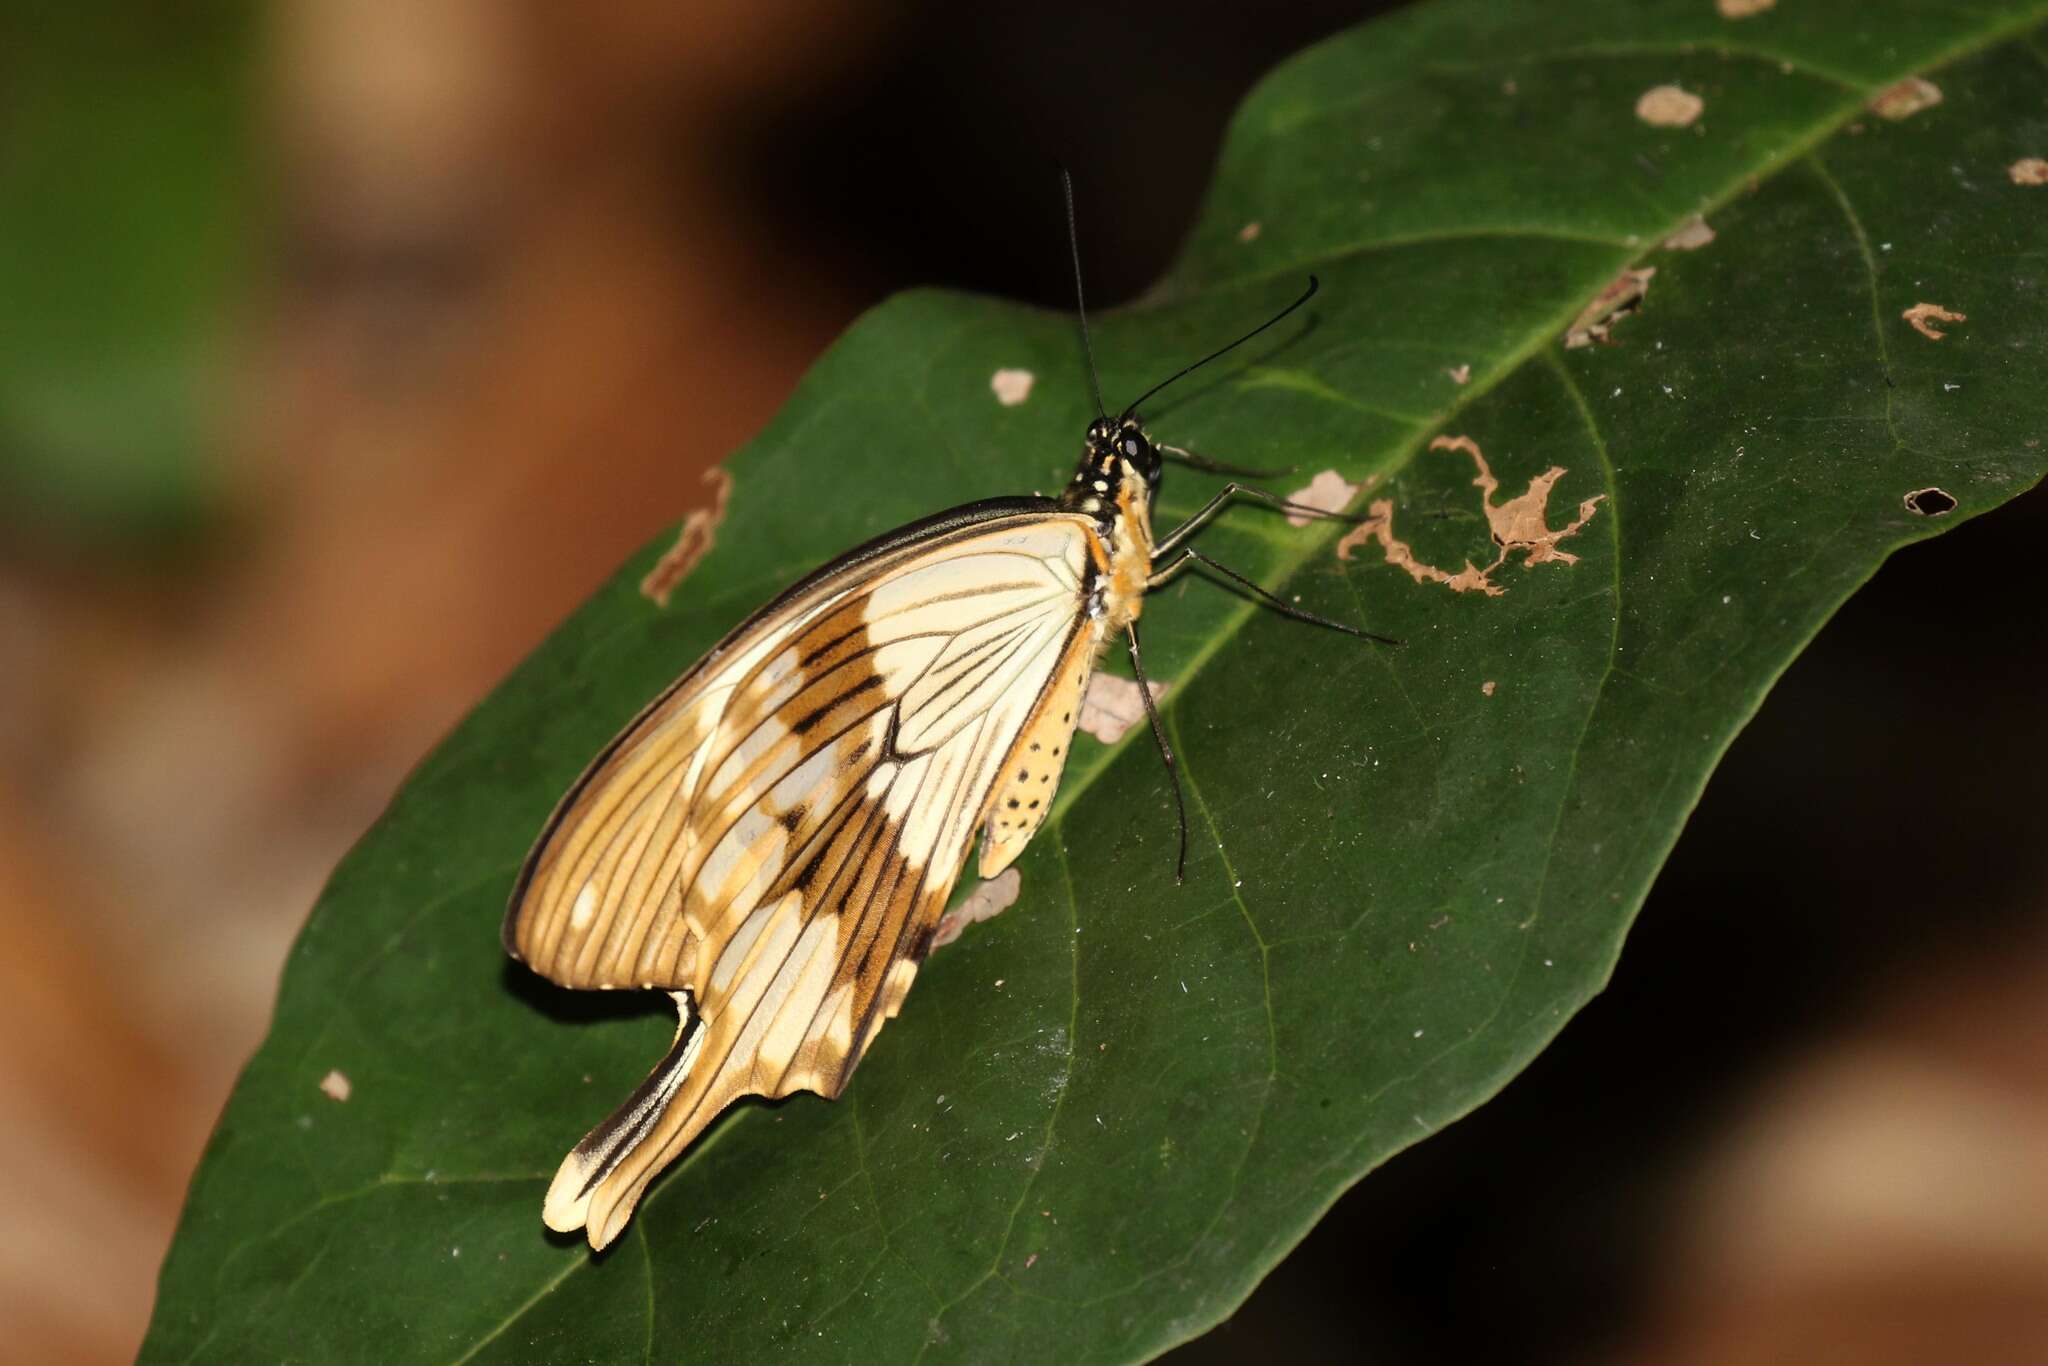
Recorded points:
(1113, 486)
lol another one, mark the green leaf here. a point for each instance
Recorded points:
(1104, 1115)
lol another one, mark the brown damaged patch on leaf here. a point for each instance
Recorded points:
(1488, 688)
(1905, 99)
(1669, 106)
(1621, 296)
(336, 1085)
(1249, 232)
(2029, 171)
(1691, 237)
(1930, 502)
(1112, 706)
(1919, 316)
(693, 542)
(1460, 374)
(985, 902)
(1743, 9)
(1520, 524)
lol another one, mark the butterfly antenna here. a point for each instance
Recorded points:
(1081, 304)
(1307, 294)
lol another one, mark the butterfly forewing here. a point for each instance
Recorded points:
(774, 839)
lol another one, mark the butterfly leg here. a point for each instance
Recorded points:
(1180, 806)
(1208, 511)
(1190, 555)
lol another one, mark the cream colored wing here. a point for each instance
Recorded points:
(774, 839)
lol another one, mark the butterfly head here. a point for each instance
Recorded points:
(1118, 460)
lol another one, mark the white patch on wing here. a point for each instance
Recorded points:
(778, 670)
(980, 669)
(801, 784)
(758, 995)
(736, 948)
(914, 817)
(766, 853)
(896, 986)
(897, 661)
(793, 999)
(765, 736)
(838, 1014)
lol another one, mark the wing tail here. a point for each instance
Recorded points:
(742, 1044)
(613, 1145)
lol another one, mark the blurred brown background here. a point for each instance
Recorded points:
(351, 342)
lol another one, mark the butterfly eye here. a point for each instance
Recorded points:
(1136, 449)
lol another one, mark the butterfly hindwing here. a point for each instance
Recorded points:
(1024, 790)
(774, 839)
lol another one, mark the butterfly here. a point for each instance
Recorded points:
(772, 841)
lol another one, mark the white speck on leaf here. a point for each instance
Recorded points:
(335, 1085)
(1111, 706)
(1012, 387)
(1923, 316)
(1669, 106)
(1905, 99)
(1691, 237)
(1329, 491)
(985, 902)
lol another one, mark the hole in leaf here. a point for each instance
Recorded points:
(1930, 502)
